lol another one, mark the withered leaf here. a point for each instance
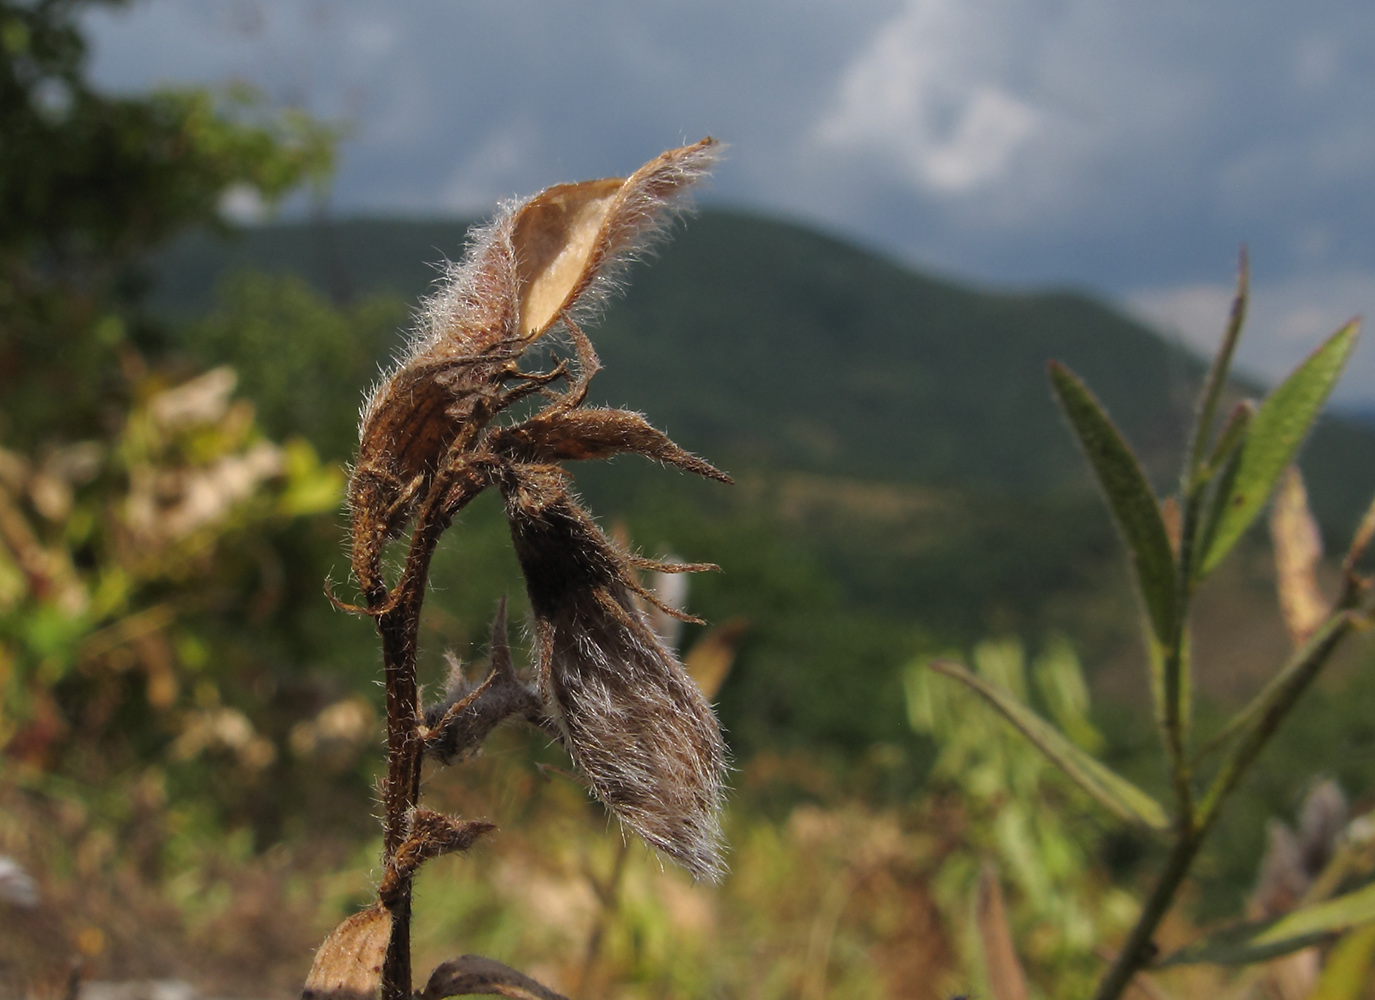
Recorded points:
(348, 966)
(599, 433)
(711, 657)
(431, 835)
(1298, 548)
(473, 974)
(566, 237)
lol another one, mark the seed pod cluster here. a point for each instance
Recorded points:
(432, 437)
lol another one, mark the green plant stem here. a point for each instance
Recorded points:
(609, 897)
(1138, 950)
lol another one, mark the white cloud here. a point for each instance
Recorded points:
(929, 93)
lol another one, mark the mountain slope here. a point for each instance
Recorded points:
(765, 344)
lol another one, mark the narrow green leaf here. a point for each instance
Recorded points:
(1252, 727)
(1221, 368)
(1243, 944)
(1129, 495)
(1359, 541)
(1346, 968)
(1216, 505)
(1277, 430)
(1108, 788)
(1232, 435)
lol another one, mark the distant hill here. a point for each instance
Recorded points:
(904, 482)
(766, 345)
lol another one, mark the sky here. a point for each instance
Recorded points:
(1121, 147)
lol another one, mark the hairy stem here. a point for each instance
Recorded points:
(401, 787)
(399, 626)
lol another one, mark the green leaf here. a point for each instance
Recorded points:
(1221, 367)
(1252, 727)
(1108, 788)
(1276, 432)
(1258, 942)
(1346, 968)
(1129, 495)
(1232, 435)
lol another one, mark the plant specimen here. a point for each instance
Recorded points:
(1229, 475)
(604, 684)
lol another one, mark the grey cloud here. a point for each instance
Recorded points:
(1109, 146)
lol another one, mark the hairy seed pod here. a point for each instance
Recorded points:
(632, 718)
(552, 258)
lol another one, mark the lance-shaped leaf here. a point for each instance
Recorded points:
(1253, 726)
(1129, 495)
(1359, 542)
(1232, 435)
(348, 966)
(1218, 374)
(1108, 788)
(1301, 928)
(474, 975)
(1346, 968)
(1276, 432)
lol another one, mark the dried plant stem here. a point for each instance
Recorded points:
(401, 790)
(398, 622)
(604, 685)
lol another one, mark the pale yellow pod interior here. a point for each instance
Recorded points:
(555, 239)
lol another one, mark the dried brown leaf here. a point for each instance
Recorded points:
(567, 237)
(599, 433)
(431, 835)
(348, 966)
(473, 974)
(1174, 525)
(1006, 979)
(1298, 548)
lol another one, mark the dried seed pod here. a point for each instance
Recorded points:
(633, 720)
(554, 257)
(348, 965)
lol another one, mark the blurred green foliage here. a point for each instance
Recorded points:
(150, 531)
(1023, 812)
